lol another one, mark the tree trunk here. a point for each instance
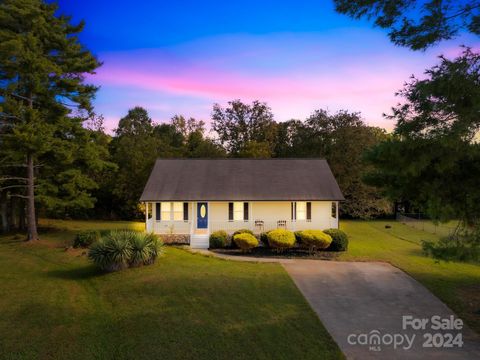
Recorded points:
(4, 212)
(31, 218)
(21, 213)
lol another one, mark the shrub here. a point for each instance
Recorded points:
(245, 241)
(218, 239)
(264, 239)
(84, 239)
(339, 239)
(314, 239)
(450, 248)
(281, 239)
(144, 249)
(243, 231)
(123, 248)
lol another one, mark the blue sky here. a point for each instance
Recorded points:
(181, 57)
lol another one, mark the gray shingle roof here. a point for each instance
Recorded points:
(241, 179)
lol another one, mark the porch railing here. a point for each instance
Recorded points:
(259, 226)
(168, 227)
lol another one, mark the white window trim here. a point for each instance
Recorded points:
(295, 211)
(170, 211)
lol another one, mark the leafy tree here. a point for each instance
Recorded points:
(186, 127)
(240, 123)
(256, 150)
(342, 138)
(290, 139)
(417, 24)
(43, 96)
(434, 158)
(199, 146)
(134, 149)
(196, 144)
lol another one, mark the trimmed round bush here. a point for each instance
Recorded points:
(281, 239)
(243, 231)
(245, 241)
(314, 239)
(121, 249)
(84, 239)
(339, 240)
(218, 239)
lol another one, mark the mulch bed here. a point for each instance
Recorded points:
(286, 254)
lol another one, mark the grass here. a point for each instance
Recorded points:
(456, 284)
(56, 305)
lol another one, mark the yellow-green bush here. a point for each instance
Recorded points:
(339, 240)
(245, 241)
(314, 239)
(218, 239)
(281, 239)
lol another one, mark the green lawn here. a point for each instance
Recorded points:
(55, 305)
(457, 284)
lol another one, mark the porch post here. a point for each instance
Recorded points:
(192, 217)
(146, 216)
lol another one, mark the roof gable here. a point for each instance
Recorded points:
(241, 179)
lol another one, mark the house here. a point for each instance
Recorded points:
(187, 199)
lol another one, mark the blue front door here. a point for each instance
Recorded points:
(202, 215)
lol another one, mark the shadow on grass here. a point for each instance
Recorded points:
(80, 273)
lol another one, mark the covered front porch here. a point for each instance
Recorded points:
(199, 219)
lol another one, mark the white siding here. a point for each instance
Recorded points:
(268, 212)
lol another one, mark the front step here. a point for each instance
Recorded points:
(199, 241)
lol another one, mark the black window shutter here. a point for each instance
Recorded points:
(293, 210)
(245, 211)
(309, 211)
(157, 211)
(230, 211)
(185, 211)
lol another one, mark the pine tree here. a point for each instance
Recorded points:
(42, 93)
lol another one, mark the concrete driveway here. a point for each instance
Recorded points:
(362, 304)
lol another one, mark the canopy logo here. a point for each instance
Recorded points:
(375, 340)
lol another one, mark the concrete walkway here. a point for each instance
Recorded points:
(371, 298)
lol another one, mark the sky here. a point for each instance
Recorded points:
(181, 57)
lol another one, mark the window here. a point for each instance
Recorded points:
(238, 211)
(301, 210)
(178, 211)
(165, 211)
(301, 213)
(334, 210)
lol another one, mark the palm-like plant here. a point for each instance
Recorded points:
(123, 248)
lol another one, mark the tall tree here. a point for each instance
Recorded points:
(186, 127)
(342, 138)
(134, 149)
(241, 124)
(417, 24)
(434, 158)
(42, 73)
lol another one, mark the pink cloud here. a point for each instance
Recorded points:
(294, 75)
